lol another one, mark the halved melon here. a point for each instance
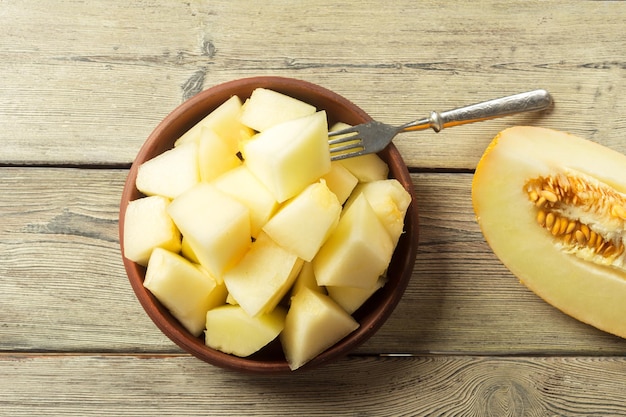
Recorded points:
(552, 206)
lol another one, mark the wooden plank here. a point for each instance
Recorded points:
(63, 282)
(93, 385)
(462, 299)
(86, 82)
(64, 287)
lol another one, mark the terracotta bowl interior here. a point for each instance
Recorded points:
(371, 315)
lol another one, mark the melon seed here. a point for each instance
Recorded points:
(563, 200)
(549, 196)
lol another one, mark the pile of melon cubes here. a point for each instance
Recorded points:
(250, 233)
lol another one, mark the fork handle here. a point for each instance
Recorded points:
(518, 103)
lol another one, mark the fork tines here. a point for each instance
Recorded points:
(345, 143)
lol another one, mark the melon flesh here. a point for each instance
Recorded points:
(231, 330)
(340, 181)
(390, 202)
(314, 323)
(357, 252)
(314, 213)
(215, 155)
(368, 167)
(243, 186)
(215, 225)
(148, 226)
(587, 285)
(170, 173)
(287, 157)
(185, 289)
(224, 121)
(260, 280)
(266, 108)
(351, 298)
(306, 279)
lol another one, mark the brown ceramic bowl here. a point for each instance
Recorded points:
(371, 315)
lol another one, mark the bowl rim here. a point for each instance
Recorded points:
(408, 242)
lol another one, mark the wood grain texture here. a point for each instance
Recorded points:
(95, 385)
(64, 287)
(63, 282)
(84, 83)
(114, 69)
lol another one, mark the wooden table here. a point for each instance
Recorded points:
(82, 85)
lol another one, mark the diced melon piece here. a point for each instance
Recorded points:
(231, 300)
(216, 226)
(357, 252)
(369, 167)
(264, 275)
(389, 200)
(147, 226)
(289, 156)
(340, 181)
(351, 298)
(215, 156)
(230, 329)
(314, 323)
(365, 168)
(225, 121)
(244, 186)
(186, 290)
(170, 173)
(303, 223)
(266, 108)
(306, 279)
(187, 252)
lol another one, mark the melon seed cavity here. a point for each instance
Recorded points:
(585, 216)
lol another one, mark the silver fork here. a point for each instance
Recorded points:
(374, 136)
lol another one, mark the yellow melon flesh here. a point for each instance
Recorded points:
(224, 121)
(230, 329)
(264, 275)
(313, 323)
(584, 279)
(148, 226)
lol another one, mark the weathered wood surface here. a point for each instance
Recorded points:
(84, 83)
(64, 286)
(356, 386)
(94, 78)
